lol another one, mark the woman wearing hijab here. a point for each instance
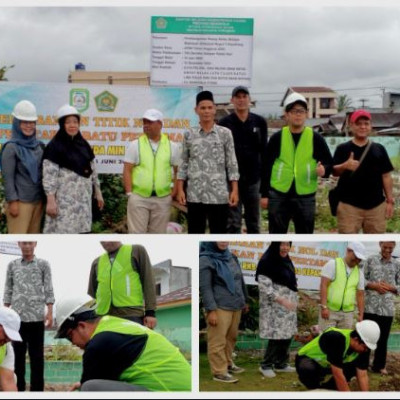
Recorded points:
(69, 177)
(21, 159)
(277, 286)
(223, 292)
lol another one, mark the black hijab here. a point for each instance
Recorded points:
(279, 269)
(220, 259)
(70, 152)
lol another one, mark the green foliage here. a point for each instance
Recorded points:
(3, 71)
(62, 352)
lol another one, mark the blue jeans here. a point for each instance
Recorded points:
(282, 209)
(249, 199)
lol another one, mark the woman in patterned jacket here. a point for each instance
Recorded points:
(278, 304)
(69, 177)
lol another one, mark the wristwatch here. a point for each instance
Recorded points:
(323, 306)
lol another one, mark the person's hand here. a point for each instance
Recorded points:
(325, 313)
(49, 320)
(100, 203)
(13, 208)
(264, 203)
(51, 207)
(351, 163)
(320, 169)
(150, 322)
(381, 287)
(233, 198)
(181, 198)
(212, 318)
(75, 386)
(245, 309)
(360, 317)
(389, 210)
(291, 306)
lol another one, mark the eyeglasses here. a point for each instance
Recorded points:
(298, 111)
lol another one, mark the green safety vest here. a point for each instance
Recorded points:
(154, 170)
(342, 291)
(3, 351)
(313, 350)
(295, 163)
(118, 283)
(159, 367)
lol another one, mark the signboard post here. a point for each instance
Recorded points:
(189, 51)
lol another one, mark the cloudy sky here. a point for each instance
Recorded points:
(353, 50)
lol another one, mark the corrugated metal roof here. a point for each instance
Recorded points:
(175, 296)
(311, 89)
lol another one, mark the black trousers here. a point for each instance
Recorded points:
(380, 354)
(32, 334)
(311, 374)
(277, 354)
(199, 213)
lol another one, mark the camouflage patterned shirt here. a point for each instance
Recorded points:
(208, 165)
(376, 269)
(29, 288)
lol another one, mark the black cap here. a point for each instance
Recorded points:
(238, 89)
(204, 95)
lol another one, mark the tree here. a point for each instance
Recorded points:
(344, 102)
(3, 71)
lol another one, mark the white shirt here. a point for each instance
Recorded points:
(329, 271)
(8, 362)
(132, 152)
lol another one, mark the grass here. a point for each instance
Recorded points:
(252, 380)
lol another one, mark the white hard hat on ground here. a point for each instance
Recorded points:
(369, 332)
(67, 110)
(294, 98)
(25, 111)
(69, 307)
(11, 323)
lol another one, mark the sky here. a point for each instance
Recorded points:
(352, 50)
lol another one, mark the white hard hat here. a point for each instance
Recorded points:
(369, 332)
(67, 307)
(358, 249)
(66, 110)
(11, 323)
(294, 98)
(25, 111)
(153, 115)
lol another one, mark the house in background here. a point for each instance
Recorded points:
(321, 100)
(170, 278)
(391, 100)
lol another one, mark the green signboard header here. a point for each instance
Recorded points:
(202, 26)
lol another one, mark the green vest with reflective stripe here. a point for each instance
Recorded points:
(3, 351)
(342, 290)
(295, 163)
(154, 170)
(159, 367)
(313, 350)
(118, 283)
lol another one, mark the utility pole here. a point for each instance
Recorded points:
(363, 101)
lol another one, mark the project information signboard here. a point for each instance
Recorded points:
(189, 51)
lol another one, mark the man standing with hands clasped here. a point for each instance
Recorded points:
(365, 185)
(296, 157)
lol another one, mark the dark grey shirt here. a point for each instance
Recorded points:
(17, 182)
(214, 291)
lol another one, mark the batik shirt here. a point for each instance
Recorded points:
(376, 269)
(28, 288)
(208, 165)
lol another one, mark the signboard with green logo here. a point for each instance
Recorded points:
(189, 51)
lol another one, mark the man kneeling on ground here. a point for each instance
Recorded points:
(343, 353)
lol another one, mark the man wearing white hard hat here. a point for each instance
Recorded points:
(120, 355)
(149, 175)
(342, 353)
(296, 157)
(9, 331)
(342, 285)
